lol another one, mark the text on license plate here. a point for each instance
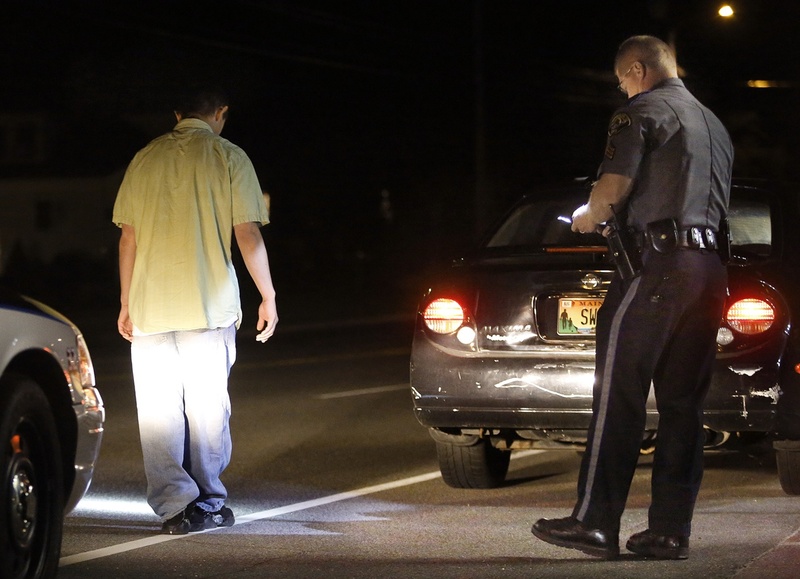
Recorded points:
(578, 316)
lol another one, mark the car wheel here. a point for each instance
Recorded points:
(787, 453)
(32, 503)
(478, 466)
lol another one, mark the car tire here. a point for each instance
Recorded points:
(787, 453)
(478, 466)
(32, 499)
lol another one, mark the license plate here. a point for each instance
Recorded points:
(577, 316)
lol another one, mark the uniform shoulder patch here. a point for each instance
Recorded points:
(618, 122)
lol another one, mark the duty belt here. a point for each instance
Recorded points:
(695, 237)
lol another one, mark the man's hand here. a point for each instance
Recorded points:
(267, 320)
(124, 324)
(127, 257)
(254, 253)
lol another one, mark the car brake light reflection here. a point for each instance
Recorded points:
(443, 316)
(750, 316)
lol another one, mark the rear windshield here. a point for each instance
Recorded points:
(542, 224)
(751, 227)
(546, 223)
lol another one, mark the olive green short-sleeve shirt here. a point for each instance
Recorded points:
(182, 194)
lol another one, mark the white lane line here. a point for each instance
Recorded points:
(276, 512)
(362, 391)
(116, 549)
(270, 513)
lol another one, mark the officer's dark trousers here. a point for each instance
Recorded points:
(658, 328)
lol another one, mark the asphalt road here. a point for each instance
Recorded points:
(332, 477)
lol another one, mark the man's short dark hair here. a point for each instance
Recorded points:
(201, 102)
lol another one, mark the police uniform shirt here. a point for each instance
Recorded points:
(678, 153)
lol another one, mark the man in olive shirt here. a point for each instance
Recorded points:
(183, 198)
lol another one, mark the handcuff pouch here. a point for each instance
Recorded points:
(663, 235)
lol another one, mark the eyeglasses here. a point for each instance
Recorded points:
(627, 72)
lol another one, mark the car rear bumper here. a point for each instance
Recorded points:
(507, 392)
(525, 391)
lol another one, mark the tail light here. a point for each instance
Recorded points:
(750, 316)
(443, 316)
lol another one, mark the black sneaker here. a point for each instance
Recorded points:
(200, 519)
(179, 524)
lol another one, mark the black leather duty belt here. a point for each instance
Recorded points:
(695, 237)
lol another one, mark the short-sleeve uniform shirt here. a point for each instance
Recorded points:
(677, 152)
(182, 194)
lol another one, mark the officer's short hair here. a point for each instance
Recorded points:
(649, 50)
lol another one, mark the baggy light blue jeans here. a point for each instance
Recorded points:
(181, 382)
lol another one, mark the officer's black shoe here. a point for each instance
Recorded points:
(572, 534)
(651, 544)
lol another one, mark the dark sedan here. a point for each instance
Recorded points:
(503, 350)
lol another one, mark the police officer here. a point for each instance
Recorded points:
(666, 173)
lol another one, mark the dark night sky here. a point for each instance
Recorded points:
(326, 90)
(337, 100)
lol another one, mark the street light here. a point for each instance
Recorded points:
(726, 11)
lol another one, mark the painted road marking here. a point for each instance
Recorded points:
(269, 513)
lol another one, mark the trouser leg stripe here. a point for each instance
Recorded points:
(602, 407)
